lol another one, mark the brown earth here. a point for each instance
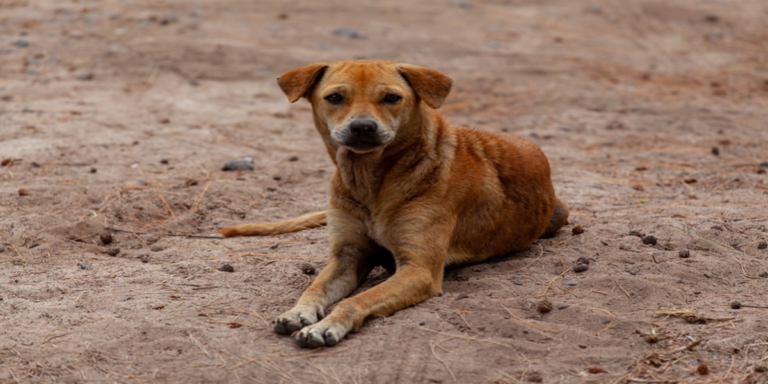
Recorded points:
(118, 115)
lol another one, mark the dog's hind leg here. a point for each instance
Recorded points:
(559, 218)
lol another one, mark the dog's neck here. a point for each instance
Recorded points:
(362, 174)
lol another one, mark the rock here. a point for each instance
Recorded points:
(348, 32)
(684, 254)
(21, 43)
(562, 305)
(735, 305)
(762, 245)
(156, 248)
(650, 240)
(113, 251)
(85, 76)
(2, 248)
(85, 265)
(463, 4)
(124, 298)
(227, 268)
(106, 238)
(244, 164)
(570, 281)
(544, 306)
(462, 296)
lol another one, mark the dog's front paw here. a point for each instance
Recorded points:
(295, 319)
(322, 334)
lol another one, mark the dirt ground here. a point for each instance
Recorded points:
(117, 116)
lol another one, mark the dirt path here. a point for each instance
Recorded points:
(120, 114)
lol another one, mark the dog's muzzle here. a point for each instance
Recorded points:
(361, 135)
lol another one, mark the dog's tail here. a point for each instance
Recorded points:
(308, 221)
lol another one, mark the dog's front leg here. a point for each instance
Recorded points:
(352, 257)
(419, 276)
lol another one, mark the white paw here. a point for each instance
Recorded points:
(295, 319)
(322, 334)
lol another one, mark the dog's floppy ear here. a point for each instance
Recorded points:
(430, 85)
(298, 82)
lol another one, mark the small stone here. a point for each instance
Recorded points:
(577, 230)
(636, 233)
(85, 76)
(124, 298)
(227, 268)
(582, 346)
(156, 248)
(293, 158)
(93, 170)
(85, 265)
(517, 282)
(2, 248)
(763, 275)
(579, 268)
(716, 151)
(106, 238)
(762, 245)
(244, 164)
(562, 305)
(348, 32)
(422, 323)
(165, 161)
(23, 192)
(570, 281)
(735, 305)
(113, 251)
(650, 240)
(462, 296)
(308, 269)
(463, 4)
(21, 43)
(144, 258)
(632, 272)
(684, 254)
(544, 306)
(582, 260)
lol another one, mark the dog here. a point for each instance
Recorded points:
(410, 193)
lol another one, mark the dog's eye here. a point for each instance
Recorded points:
(392, 98)
(334, 98)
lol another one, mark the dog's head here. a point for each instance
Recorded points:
(363, 104)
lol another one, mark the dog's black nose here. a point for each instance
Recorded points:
(363, 127)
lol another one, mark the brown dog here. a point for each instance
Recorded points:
(409, 192)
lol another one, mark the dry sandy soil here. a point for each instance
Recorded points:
(116, 118)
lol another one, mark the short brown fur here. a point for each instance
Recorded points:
(429, 196)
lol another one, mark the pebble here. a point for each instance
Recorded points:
(227, 268)
(124, 298)
(348, 32)
(570, 281)
(462, 296)
(517, 282)
(650, 240)
(85, 76)
(735, 305)
(113, 251)
(106, 238)
(463, 4)
(562, 306)
(684, 254)
(21, 43)
(2, 248)
(762, 245)
(244, 164)
(422, 323)
(582, 346)
(85, 265)
(579, 268)
(156, 248)
(763, 275)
